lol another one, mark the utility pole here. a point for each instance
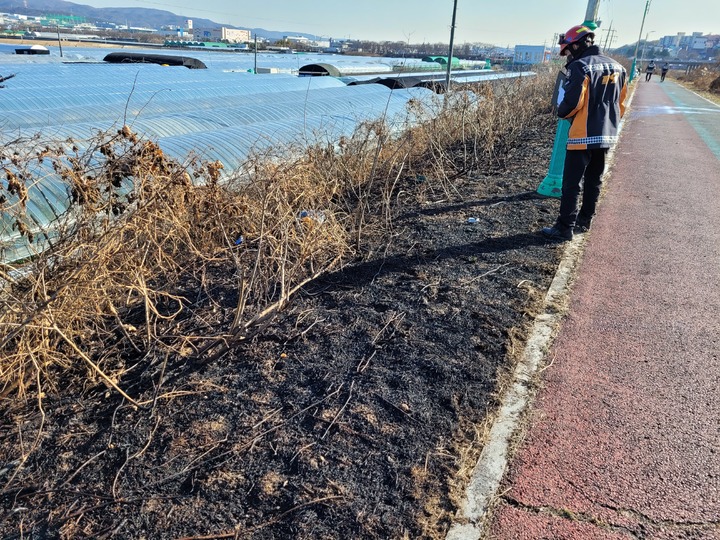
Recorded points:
(607, 36)
(613, 37)
(450, 53)
(57, 28)
(610, 32)
(642, 54)
(637, 45)
(591, 14)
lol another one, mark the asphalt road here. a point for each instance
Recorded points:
(624, 437)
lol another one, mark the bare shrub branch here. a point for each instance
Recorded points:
(145, 242)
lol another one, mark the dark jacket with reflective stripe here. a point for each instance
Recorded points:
(595, 90)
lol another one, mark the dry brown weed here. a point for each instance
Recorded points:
(146, 238)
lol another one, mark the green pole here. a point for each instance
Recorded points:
(551, 186)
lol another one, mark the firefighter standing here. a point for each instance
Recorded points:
(593, 99)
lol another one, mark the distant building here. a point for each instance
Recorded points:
(340, 45)
(140, 30)
(320, 43)
(307, 43)
(296, 39)
(669, 42)
(532, 54)
(695, 45)
(64, 21)
(688, 42)
(698, 43)
(230, 35)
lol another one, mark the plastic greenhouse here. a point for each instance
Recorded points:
(216, 114)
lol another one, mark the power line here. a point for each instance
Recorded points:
(642, 25)
(609, 37)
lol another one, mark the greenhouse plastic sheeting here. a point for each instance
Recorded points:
(162, 118)
(459, 77)
(217, 60)
(217, 115)
(137, 85)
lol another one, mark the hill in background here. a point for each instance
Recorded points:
(131, 16)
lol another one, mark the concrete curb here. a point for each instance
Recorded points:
(471, 520)
(490, 468)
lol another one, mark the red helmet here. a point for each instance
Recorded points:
(575, 34)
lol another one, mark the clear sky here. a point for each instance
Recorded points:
(499, 22)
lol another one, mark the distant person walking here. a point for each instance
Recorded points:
(649, 70)
(593, 98)
(664, 71)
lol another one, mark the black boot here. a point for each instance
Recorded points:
(556, 232)
(582, 226)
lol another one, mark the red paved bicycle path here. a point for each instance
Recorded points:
(624, 438)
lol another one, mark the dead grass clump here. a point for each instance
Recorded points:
(147, 241)
(133, 251)
(704, 79)
(479, 125)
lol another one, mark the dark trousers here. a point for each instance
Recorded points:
(662, 76)
(584, 167)
(648, 75)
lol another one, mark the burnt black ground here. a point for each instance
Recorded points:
(351, 416)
